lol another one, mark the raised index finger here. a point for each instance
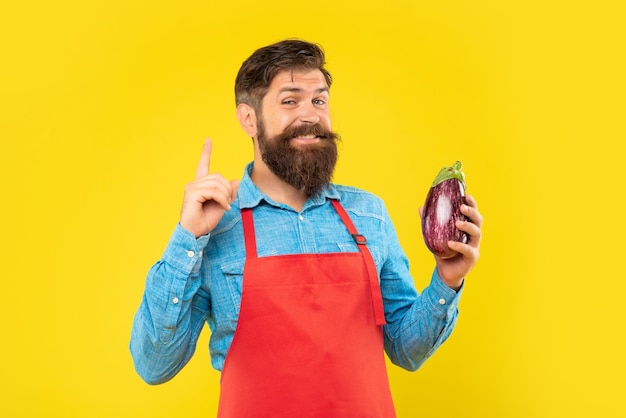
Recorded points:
(205, 159)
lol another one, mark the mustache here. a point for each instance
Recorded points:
(303, 130)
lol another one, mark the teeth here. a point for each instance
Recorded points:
(306, 137)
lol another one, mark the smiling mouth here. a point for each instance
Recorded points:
(307, 139)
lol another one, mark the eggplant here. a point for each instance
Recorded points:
(442, 209)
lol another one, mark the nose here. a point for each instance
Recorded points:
(309, 113)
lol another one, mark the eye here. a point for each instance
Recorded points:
(289, 102)
(319, 102)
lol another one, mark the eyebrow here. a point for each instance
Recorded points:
(299, 90)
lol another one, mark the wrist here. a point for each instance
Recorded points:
(454, 283)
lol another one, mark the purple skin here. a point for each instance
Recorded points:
(441, 211)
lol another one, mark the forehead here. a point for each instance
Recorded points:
(298, 79)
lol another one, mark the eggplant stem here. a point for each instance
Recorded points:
(450, 172)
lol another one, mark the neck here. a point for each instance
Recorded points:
(275, 188)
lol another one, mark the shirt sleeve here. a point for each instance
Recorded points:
(172, 312)
(417, 324)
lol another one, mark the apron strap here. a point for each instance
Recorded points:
(248, 232)
(361, 242)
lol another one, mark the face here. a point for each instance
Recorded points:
(294, 136)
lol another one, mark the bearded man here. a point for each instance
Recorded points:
(302, 282)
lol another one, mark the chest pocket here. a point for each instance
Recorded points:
(233, 276)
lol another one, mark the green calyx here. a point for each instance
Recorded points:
(451, 172)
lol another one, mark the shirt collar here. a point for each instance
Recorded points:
(250, 196)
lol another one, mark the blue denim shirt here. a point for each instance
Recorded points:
(200, 280)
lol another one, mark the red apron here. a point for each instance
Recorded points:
(308, 341)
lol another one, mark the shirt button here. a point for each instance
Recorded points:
(190, 253)
(175, 300)
(442, 301)
(301, 217)
(199, 253)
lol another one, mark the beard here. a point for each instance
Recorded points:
(308, 168)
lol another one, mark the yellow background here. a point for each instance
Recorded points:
(105, 105)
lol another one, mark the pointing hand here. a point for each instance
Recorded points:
(207, 197)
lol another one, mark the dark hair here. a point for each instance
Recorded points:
(256, 73)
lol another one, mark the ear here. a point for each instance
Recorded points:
(247, 119)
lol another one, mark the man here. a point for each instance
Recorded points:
(303, 283)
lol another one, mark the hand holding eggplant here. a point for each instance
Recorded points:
(451, 226)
